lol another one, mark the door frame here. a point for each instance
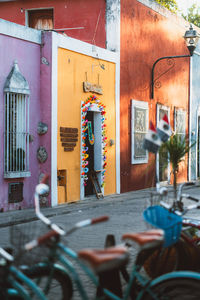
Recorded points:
(98, 151)
(59, 41)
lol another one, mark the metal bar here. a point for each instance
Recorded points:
(11, 132)
(7, 131)
(27, 123)
(14, 132)
(17, 133)
(152, 71)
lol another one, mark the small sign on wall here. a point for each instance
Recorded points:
(93, 88)
(68, 138)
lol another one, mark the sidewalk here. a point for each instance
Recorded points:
(27, 215)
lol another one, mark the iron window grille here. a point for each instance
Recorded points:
(16, 120)
(180, 121)
(139, 127)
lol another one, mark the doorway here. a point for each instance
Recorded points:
(89, 187)
(94, 150)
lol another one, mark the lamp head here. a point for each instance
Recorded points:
(191, 38)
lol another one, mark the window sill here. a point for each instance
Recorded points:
(17, 174)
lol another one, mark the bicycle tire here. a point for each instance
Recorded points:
(161, 261)
(175, 289)
(61, 285)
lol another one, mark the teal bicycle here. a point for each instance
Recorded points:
(14, 285)
(97, 264)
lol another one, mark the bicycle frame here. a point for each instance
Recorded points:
(14, 277)
(60, 255)
(62, 252)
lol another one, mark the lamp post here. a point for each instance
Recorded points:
(191, 38)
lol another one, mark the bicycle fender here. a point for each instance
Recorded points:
(61, 269)
(176, 274)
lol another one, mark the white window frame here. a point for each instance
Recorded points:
(16, 135)
(144, 106)
(181, 112)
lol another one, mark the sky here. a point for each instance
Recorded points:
(185, 4)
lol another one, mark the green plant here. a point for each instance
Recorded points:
(175, 149)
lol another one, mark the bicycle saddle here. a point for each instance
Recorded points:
(105, 259)
(146, 239)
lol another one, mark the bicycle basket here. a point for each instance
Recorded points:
(24, 233)
(161, 218)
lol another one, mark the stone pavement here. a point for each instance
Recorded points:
(27, 215)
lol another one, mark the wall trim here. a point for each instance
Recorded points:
(86, 48)
(20, 32)
(165, 12)
(54, 119)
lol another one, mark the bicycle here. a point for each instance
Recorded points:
(168, 286)
(13, 283)
(184, 252)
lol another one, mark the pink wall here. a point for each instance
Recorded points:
(45, 100)
(88, 14)
(28, 56)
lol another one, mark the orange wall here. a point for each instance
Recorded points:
(146, 36)
(73, 70)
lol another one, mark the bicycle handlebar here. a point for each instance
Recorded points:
(87, 223)
(99, 220)
(6, 255)
(41, 240)
(187, 196)
(178, 212)
(42, 189)
(189, 183)
(55, 232)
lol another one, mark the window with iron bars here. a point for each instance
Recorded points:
(16, 135)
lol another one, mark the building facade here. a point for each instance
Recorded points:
(95, 93)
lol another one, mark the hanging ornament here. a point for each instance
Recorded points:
(90, 133)
(87, 131)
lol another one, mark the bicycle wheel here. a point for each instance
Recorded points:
(175, 289)
(161, 261)
(59, 287)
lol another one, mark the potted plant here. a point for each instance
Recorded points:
(175, 149)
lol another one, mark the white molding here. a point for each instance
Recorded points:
(104, 54)
(113, 9)
(190, 121)
(54, 120)
(20, 32)
(145, 106)
(86, 49)
(117, 124)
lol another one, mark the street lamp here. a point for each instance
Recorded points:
(191, 38)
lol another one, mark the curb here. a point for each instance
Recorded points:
(11, 218)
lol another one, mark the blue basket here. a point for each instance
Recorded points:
(161, 218)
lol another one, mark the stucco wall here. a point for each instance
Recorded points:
(146, 35)
(73, 69)
(86, 18)
(28, 56)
